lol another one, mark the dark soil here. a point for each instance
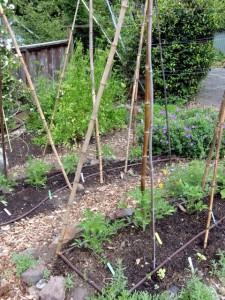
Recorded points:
(174, 231)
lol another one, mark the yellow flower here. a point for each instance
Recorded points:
(160, 185)
(164, 172)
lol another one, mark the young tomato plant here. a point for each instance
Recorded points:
(36, 172)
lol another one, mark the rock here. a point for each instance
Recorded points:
(79, 293)
(172, 291)
(34, 274)
(121, 213)
(4, 287)
(33, 292)
(72, 232)
(41, 284)
(80, 187)
(122, 245)
(221, 290)
(54, 289)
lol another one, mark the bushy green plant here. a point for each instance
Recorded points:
(69, 282)
(191, 131)
(197, 290)
(70, 162)
(23, 262)
(107, 153)
(218, 266)
(36, 172)
(96, 230)
(6, 184)
(142, 212)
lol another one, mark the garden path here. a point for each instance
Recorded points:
(213, 88)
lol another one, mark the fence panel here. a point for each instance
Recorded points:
(219, 41)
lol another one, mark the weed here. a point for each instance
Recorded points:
(36, 172)
(23, 262)
(96, 230)
(218, 267)
(69, 282)
(122, 204)
(142, 212)
(197, 290)
(70, 163)
(47, 274)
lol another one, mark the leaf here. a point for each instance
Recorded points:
(222, 193)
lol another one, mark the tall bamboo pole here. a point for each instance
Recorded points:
(92, 122)
(33, 92)
(135, 85)
(147, 108)
(2, 126)
(67, 55)
(213, 143)
(220, 133)
(151, 95)
(91, 51)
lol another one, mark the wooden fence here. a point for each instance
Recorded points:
(43, 59)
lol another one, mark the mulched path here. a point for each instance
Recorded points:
(134, 247)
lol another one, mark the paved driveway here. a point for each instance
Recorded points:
(213, 88)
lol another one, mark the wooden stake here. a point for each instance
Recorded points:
(33, 92)
(213, 143)
(67, 55)
(220, 133)
(135, 85)
(91, 51)
(92, 122)
(2, 126)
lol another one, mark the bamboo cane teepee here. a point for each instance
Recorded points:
(92, 122)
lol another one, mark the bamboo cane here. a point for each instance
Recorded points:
(220, 132)
(212, 146)
(135, 85)
(2, 126)
(151, 95)
(92, 122)
(91, 51)
(63, 72)
(147, 112)
(33, 92)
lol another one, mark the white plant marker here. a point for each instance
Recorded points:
(191, 265)
(82, 177)
(6, 211)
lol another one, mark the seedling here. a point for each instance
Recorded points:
(69, 282)
(36, 172)
(47, 274)
(201, 257)
(70, 162)
(161, 273)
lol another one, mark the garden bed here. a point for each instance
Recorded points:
(134, 247)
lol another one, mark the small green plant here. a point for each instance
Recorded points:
(3, 201)
(122, 204)
(96, 230)
(142, 212)
(36, 172)
(23, 262)
(197, 290)
(201, 257)
(70, 163)
(107, 153)
(6, 184)
(135, 153)
(218, 266)
(47, 274)
(161, 273)
(69, 282)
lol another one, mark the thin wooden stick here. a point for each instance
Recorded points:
(220, 133)
(213, 142)
(92, 122)
(33, 92)
(67, 55)
(2, 126)
(151, 95)
(7, 130)
(91, 51)
(135, 85)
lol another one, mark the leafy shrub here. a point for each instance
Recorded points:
(36, 172)
(75, 106)
(142, 212)
(96, 230)
(191, 132)
(70, 162)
